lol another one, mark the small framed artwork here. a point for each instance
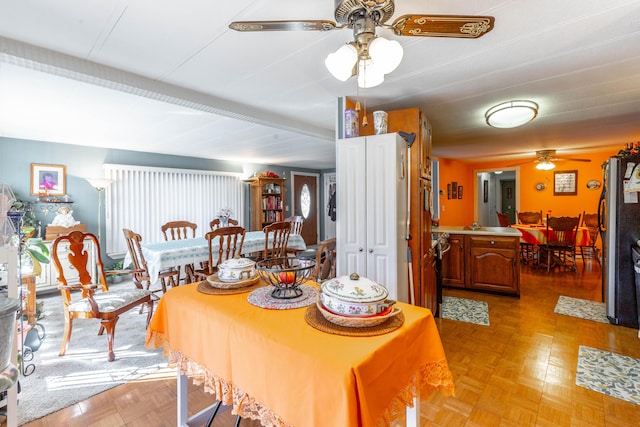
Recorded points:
(448, 191)
(48, 180)
(460, 192)
(509, 193)
(485, 191)
(454, 190)
(565, 183)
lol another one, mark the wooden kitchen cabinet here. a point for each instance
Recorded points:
(267, 201)
(493, 264)
(453, 262)
(480, 262)
(429, 292)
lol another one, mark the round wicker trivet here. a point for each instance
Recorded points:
(206, 288)
(215, 282)
(317, 320)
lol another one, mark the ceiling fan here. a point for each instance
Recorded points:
(545, 158)
(368, 56)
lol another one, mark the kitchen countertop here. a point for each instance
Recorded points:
(485, 231)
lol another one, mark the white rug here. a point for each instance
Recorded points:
(84, 371)
(609, 373)
(465, 310)
(581, 308)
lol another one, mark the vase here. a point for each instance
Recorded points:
(224, 221)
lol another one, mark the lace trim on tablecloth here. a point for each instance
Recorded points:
(243, 404)
(432, 377)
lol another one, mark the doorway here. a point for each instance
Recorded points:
(488, 194)
(304, 201)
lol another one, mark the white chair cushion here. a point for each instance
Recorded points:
(110, 301)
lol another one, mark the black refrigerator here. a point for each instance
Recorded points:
(619, 219)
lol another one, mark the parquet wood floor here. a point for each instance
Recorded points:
(519, 371)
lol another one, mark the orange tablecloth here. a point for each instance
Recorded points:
(537, 235)
(270, 364)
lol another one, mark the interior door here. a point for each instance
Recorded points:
(305, 203)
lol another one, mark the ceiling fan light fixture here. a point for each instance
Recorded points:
(386, 54)
(511, 114)
(545, 165)
(341, 62)
(369, 75)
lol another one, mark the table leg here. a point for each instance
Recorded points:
(182, 406)
(413, 414)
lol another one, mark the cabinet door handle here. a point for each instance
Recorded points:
(370, 251)
(493, 242)
(361, 249)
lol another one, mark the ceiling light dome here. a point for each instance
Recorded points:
(511, 114)
(386, 54)
(341, 62)
(545, 165)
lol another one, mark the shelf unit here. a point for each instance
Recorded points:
(267, 201)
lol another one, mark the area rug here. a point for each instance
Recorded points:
(581, 308)
(465, 310)
(58, 382)
(609, 373)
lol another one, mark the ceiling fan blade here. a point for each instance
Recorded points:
(572, 160)
(443, 25)
(283, 25)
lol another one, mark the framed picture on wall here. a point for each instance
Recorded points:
(460, 192)
(565, 183)
(48, 180)
(454, 190)
(485, 191)
(448, 191)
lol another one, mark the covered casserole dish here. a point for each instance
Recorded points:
(236, 269)
(355, 296)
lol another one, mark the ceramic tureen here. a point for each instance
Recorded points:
(235, 269)
(354, 296)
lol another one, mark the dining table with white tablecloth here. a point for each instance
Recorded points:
(178, 253)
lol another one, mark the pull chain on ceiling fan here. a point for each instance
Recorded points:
(371, 57)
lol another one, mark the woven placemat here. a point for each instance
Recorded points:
(206, 288)
(262, 298)
(215, 282)
(317, 320)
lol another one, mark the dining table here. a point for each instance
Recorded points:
(275, 366)
(537, 234)
(179, 253)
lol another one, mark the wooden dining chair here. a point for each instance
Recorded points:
(325, 261)
(276, 238)
(529, 218)
(180, 230)
(92, 299)
(503, 219)
(529, 251)
(590, 221)
(297, 222)
(216, 223)
(229, 241)
(560, 247)
(140, 272)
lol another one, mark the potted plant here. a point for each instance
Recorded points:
(115, 272)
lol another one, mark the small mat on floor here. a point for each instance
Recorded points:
(581, 308)
(609, 373)
(465, 310)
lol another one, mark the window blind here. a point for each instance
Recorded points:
(143, 198)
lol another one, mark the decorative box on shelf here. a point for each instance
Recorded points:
(53, 231)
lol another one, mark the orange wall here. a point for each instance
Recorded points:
(461, 211)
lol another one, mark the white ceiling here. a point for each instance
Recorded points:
(171, 77)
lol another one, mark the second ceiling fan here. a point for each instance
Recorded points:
(545, 160)
(368, 56)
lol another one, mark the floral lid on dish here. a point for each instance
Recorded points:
(237, 263)
(354, 288)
